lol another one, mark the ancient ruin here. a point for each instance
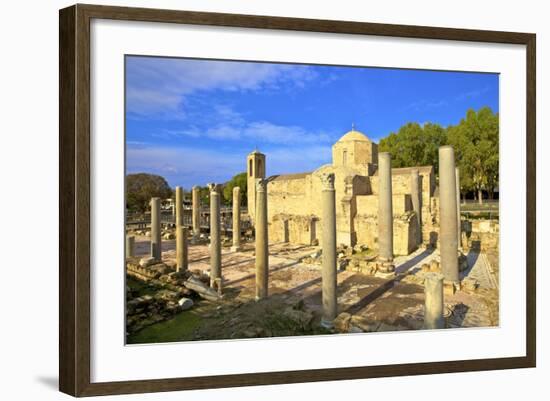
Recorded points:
(354, 246)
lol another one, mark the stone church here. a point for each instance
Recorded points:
(294, 200)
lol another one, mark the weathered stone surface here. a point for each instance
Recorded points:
(433, 304)
(201, 289)
(147, 261)
(185, 303)
(342, 322)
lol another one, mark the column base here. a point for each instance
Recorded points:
(386, 269)
(236, 248)
(385, 275)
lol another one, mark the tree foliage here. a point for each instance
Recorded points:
(414, 145)
(140, 188)
(475, 140)
(238, 180)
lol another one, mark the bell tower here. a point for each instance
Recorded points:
(255, 168)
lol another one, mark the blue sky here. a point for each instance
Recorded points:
(194, 121)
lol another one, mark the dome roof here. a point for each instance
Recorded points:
(354, 136)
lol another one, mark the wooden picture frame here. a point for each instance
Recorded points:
(74, 199)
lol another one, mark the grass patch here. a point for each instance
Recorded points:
(179, 328)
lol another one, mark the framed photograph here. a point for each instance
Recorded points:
(249, 200)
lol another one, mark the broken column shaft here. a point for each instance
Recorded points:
(215, 240)
(155, 229)
(262, 252)
(181, 248)
(329, 271)
(130, 243)
(433, 302)
(236, 219)
(448, 231)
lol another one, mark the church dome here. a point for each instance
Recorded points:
(354, 136)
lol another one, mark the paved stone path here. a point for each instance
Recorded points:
(479, 270)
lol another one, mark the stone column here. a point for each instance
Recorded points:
(385, 214)
(329, 280)
(130, 242)
(179, 207)
(458, 221)
(181, 248)
(215, 240)
(433, 302)
(262, 252)
(196, 217)
(156, 251)
(416, 195)
(447, 214)
(236, 219)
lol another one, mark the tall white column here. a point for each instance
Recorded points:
(329, 271)
(458, 219)
(179, 207)
(262, 252)
(447, 214)
(416, 195)
(196, 212)
(236, 219)
(215, 240)
(385, 214)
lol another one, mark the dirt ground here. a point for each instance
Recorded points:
(294, 304)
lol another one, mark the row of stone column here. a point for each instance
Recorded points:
(449, 234)
(262, 254)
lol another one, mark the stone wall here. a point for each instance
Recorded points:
(295, 228)
(481, 234)
(404, 232)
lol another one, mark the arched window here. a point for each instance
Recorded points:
(345, 157)
(259, 170)
(250, 167)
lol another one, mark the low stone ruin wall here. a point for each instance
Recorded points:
(481, 235)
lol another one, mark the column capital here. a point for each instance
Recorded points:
(213, 187)
(195, 188)
(327, 181)
(236, 190)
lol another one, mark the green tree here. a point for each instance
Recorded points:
(414, 145)
(476, 143)
(140, 188)
(238, 180)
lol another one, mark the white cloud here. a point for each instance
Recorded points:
(255, 133)
(188, 166)
(158, 86)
